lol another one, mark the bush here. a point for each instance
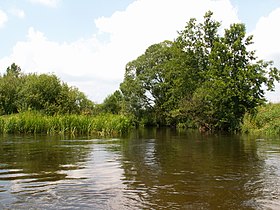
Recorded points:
(266, 121)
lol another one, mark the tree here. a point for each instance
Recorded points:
(40, 92)
(202, 77)
(10, 84)
(232, 80)
(13, 70)
(113, 103)
(147, 83)
(73, 101)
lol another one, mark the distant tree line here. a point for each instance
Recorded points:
(21, 92)
(201, 79)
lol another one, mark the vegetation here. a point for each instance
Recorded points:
(266, 121)
(201, 79)
(113, 103)
(21, 92)
(36, 122)
(41, 103)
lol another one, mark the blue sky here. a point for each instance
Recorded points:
(87, 43)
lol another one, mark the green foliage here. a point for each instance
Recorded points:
(266, 121)
(14, 71)
(41, 92)
(113, 103)
(10, 84)
(202, 78)
(231, 79)
(72, 101)
(36, 122)
(147, 87)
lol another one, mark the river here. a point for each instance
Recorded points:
(148, 169)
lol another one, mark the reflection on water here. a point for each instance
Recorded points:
(150, 169)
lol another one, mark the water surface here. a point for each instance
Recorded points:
(149, 169)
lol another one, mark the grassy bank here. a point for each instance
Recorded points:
(267, 121)
(35, 122)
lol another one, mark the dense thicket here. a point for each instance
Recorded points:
(266, 121)
(21, 92)
(201, 79)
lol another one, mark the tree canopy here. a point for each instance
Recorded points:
(202, 78)
(41, 92)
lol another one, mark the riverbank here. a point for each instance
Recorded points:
(267, 120)
(36, 122)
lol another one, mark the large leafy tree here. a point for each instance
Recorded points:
(233, 80)
(203, 77)
(148, 82)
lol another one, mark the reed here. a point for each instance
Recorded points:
(35, 122)
(267, 120)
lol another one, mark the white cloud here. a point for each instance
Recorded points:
(97, 67)
(266, 34)
(266, 37)
(75, 63)
(146, 22)
(49, 3)
(17, 12)
(3, 18)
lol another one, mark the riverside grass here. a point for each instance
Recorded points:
(267, 120)
(38, 123)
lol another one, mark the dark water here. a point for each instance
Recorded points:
(150, 169)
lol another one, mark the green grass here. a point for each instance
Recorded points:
(35, 123)
(267, 121)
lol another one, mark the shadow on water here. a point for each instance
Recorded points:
(149, 169)
(189, 170)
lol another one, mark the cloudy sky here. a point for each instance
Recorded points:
(87, 43)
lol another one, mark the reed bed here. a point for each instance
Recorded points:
(35, 123)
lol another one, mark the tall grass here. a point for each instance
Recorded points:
(35, 122)
(267, 121)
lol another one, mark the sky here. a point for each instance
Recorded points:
(87, 43)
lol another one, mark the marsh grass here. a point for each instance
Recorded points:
(35, 123)
(267, 121)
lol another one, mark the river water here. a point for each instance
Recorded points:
(148, 169)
